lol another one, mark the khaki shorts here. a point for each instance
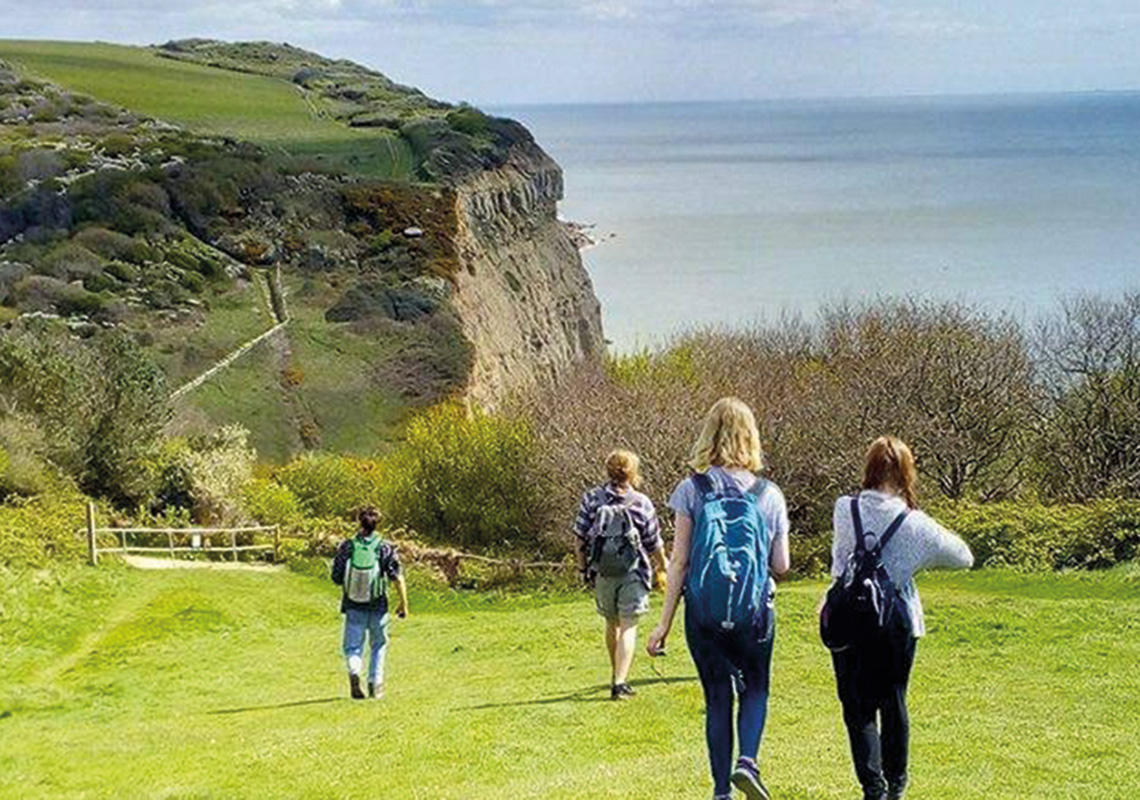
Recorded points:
(621, 598)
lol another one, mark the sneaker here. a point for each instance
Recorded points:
(621, 691)
(746, 778)
(376, 690)
(354, 687)
(896, 792)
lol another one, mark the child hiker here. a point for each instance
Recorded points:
(619, 542)
(364, 565)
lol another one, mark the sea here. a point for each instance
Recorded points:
(744, 212)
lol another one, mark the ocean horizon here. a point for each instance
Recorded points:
(715, 212)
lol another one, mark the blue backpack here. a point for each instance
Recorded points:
(727, 585)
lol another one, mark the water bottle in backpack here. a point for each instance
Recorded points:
(615, 543)
(727, 584)
(363, 582)
(863, 604)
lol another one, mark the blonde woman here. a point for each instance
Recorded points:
(619, 543)
(872, 675)
(731, 528)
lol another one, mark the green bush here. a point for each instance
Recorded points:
(1035, 537)
(272, 503)
(39, 531)
(328, 485)
(465, 479)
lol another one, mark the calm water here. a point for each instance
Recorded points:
(736, 212)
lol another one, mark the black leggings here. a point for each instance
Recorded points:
(872, 681)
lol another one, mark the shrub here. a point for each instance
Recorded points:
(219, 465)
(39, 531)
(466, 479)
(100, 403)
(272, 503)
(1032, 536)
(113, 245)
(1089, 358)
(331, 486)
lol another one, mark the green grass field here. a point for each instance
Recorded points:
(194, 684)
(265, 110)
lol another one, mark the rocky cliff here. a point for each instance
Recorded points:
(524, 299)
(416, 260)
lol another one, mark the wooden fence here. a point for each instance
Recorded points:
(200, 540)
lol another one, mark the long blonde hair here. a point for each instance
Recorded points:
(729, 438)
(890, 463)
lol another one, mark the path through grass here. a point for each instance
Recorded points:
(208, 685)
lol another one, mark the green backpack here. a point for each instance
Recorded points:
(363, 580)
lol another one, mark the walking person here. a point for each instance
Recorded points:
(873, 662)
(619, 549)
(731, 537)
(364, 566)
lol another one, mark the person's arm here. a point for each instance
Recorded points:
(678, 566)
(941, 548)
(653, 544)
(402, 592)
(660, 566)
(838, 561)
(780, 559)
(340, 562)
(583, 521)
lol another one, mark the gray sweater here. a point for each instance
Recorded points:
(921, 543)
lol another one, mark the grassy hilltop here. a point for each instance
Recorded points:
(279, 159)
(195, 684)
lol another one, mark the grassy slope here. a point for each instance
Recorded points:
(222, 685)
(256, 108)
(337, 386)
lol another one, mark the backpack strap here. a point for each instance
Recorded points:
(704, 485)
(857, 521)
(889, 533)
(758, 487)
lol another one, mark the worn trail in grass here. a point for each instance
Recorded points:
(202, 684)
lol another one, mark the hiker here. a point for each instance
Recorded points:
(364, 565)
(731, 537)
(874, 655)
(619, 543)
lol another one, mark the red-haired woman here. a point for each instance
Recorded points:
(872, 676)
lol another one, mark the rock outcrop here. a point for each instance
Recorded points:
(523, 297)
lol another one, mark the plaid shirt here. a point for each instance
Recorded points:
(642, 512)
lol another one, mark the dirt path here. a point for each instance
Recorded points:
(280, 314)
(146, 562)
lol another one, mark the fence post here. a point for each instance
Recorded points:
(92, 547)
(233, 545)
(276, 544)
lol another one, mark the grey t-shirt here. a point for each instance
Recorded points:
(920, 543)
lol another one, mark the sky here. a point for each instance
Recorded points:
(508, 52)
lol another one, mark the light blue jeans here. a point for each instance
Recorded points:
(358, 623)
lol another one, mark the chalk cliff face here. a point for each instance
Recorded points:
(525, 300)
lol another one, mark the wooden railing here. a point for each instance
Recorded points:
(200, 540)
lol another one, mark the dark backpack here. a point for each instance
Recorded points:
(615, 544)
(727, 582)
(863, 604)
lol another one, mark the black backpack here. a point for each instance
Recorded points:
(863, 604)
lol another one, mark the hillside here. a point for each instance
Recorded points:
(200, 192)
(221, 684)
